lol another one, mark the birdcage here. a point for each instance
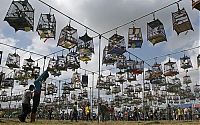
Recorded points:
(20, 15)
(72, 60)
(84, 81)
(7, 82)
(185, 62)
(116, 89)
(161, 81)
(148, 74)
(13, 61)
(187, 79)
(121, 62)
(85, 48)
(138, 87)
(28, 64)
(1, 53)
(19, 74)
(110, 80)
(85, 93)
(76, 80)
(130, 88)
(43, 88)
(52, 66)
(50, 89)
(55, 73)
(135, 39)
(4, 93)
(156, 32)
(131, 77)
(126, 90)
(36, 71)
(2, 77)
(155, 87)
(108, 59)
(47, 100)
(170, 69)
(100, 82)
(118, 98)
(156, 70)
(55, 90)
(147, 86)
(188, 89)
(196, 88)
(120, 77)
(56, 99)
(116, 45)
(68, 37)
(198, 60)
(61, 63)
(148, 95)
(73, 96)
(23, 82)
(176, 82)
(196, 4)
(181, 21)
(47, 26)
(138, 67)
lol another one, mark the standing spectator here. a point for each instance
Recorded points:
(37, 93)
(74, 113)
(50, 113)
(26, 105)
(87, 112)
(63, 115)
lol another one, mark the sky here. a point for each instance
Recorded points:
(103, 15)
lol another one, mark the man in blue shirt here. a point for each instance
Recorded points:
(37, 93)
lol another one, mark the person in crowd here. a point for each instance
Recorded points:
(74, 113)
(26, 105)
(88, 112)
(62, 117)
(50, 111)
(37, 93)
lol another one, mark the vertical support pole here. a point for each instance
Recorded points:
(9, 108)
(143, 109)
(92, 94)
(99, 77)
(59, 96)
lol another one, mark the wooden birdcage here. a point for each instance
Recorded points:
(148, 74)
(19, 75)
(47, 100)
(196, 4)
(4, 93)
(118, 98)
(76, 80)
(28, 64)
(50, 89)
(100, 82)
(116, 89)
(55, 73)
(156, 32)
(73, 96)
(161, 81)
(56, 99)
(43, 88)
(116, 45)
(176, 82)
(106, 86)
(138, 87)
(181, 21)
(188, 89)
(52, 66)
(110, 80)
(47, 26)
(68, 37)
(147, 86)
(187, 79)
(85, 93)
(23, 82)
(156, 70)
(7, 82)
(108, 59)
(13, 61)
(61, 63)
(129, 65)
(121, 62)
(85, 48)
(196, 88)
(72, 60)
(131, 77)
(185, 62)
(126, 90)
(135, 39)
(130, 88)
(138, 67)
(155, 87)
(36, 71)
(198, 60)
(170, 69)
(120, 77)
(20, 15)
(55, 90)
(84, 81)
(148, 95)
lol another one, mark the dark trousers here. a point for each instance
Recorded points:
(36, 102)
(74, 116)
(26, 109)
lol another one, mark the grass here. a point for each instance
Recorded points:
(56, 122)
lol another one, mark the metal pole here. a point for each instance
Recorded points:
(10, 103)
(143, 94)
(99, 77)
(92, 93)
(59, 96)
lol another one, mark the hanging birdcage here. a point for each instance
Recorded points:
(66, 91)
(135, 37)
(129, 65)
(52, 64)
(76, 80)
(106, 86)
(147, 86)
(47, 100)
(84, 81)
(156, 70)
(108, 59)
(110, 80)
(131, 77)
(198, 60)
(72, 60)
(161, 81)
(85, 93)
(36, 71)
(116, 89)
(47, 26)
(116, 45)
(68, 37)
(170, 69)
(118, 98)
(85, 48)
(188, 89)
(28, 64)
(185, 62)
(148, 95)
(19, 74)
(130, 88)
(138, 67)
(181, 21)
(61, 63)
(56, 99)
(20, 15)
(138, 87)
(196, 88)
(55, 73)
(187, 79)
(196, 4)
(1, 54)
(121, 62)
(155, 87)
(4, 93)
(73, 96)
(108, 92)
(50, 89)
(120, 77)
(43, 88)
(7, 82)
(55, 90)
(156, 32)
(23, 82)
(126, 90)
(100, 82)
(148, 74)
(13, 61)
(176, 82)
